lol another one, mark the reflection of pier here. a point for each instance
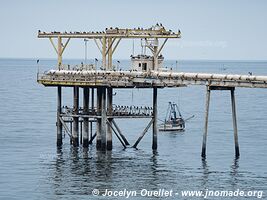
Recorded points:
(146, 72)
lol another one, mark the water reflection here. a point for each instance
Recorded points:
(78, 171)
(234, 173)
(205, 177)
(154, 173)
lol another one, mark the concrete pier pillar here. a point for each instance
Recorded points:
(103, 119)
(237, 154)
(59, 124)
(204, 142)
(71, 132)
(109, 109)
(155, 118)
(81, 132)
(85, 119)
(75, 131)
(98, 123)
(92, 108)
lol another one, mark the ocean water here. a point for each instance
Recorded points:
(31, 167)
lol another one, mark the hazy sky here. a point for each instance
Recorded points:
(211, 29)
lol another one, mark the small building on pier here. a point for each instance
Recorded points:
(145, 62)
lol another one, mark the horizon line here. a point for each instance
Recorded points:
(183, 59)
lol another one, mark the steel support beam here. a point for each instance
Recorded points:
(98, 123)
(237, 154)
(85, 119)
(92, 108)
(143, 134)
(103, 119)
(120, 133)
(161, 47)
(116, 45)
(104, 46)
(204, 142)
(155, 55)
(65, 127)
(75, 132)
(109, 109)
(59, 124)
(155, 118)
(59, 52)
(112, 128)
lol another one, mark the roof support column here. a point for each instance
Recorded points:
(104, 39)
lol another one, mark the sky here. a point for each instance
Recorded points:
(211, 29)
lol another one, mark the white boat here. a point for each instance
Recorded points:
(172, 121)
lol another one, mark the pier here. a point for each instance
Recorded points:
(147, 71)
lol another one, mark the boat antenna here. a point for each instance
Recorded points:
(168, 112)
(178, 110)
(173, 110)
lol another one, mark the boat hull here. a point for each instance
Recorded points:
(170, 127)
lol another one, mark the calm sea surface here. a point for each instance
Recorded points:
(31, 167)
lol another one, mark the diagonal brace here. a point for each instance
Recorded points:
(143, 133)
(65, 126)
(116, 134)
(120, 133)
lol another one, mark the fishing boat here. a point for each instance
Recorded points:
(174, 120)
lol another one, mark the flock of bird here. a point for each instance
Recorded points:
(117, 110)
(158, 27)
(132, 110)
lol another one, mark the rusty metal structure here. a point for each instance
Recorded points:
(98, 108)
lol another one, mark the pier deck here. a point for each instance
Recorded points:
(133, 79)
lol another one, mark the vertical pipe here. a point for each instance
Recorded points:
(204, 142)
(103, 119)
(59, 124)
(109, 128)
(85, 119)
(104, 52)
(155, 118)
(237, 154)
(92, 108)
(155, 54)
(81, 132)
(109, 53)
(59, 52)
(71, 132)
(98, 123)
(75, 132)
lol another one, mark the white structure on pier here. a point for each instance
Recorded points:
(145, 62)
